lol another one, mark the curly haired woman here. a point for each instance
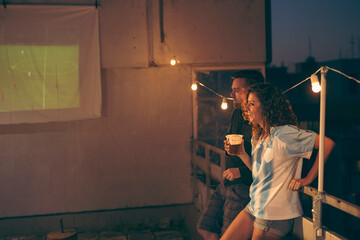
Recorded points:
(278, 148)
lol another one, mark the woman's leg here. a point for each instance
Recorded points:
(241, 228)
(271, 229)
(259, 234)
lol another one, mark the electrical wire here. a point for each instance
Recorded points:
(337, 71)
(356, 80)
(301, 82)
(296, 85)
(213, 91)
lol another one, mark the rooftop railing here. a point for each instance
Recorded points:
(208, 163)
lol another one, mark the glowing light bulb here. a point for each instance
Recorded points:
(194, 86)
(174, 61)
(224, 104)
(315, 85)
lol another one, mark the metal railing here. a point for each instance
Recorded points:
(207, 170)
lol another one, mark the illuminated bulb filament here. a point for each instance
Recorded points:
(173, 62)
(194, 86)
(316, 87)
(224, 104)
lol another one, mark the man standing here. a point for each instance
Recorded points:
(231, 196)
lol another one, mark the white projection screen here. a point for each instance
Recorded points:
(49, 64)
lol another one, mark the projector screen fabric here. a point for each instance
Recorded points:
(49, 64)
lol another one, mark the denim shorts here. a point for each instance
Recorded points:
(224, 205)
(278, 227)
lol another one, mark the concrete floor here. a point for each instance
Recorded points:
(164, 222)
(114, 235)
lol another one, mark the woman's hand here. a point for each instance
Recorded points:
(241, 153)
(227, 148)
(296, 184)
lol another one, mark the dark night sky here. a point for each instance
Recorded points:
(330, 24)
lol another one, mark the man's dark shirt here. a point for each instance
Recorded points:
(239, 126)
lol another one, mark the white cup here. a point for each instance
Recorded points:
(235, 141)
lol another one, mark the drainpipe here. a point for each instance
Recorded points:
(149, 27)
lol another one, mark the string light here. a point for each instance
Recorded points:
(337, 71)
(315, 85)
(194, 86)
(174, 61)
(224, 104)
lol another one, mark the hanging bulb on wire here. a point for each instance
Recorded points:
(315, 84)
(194, 86)
(174, 61)
(224, 104)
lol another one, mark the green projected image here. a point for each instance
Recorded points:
(38, 77)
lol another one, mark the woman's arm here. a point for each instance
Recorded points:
(329, 144)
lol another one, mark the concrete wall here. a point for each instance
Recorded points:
(201, 32)
(138, 153)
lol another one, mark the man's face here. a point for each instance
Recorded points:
(238, 91)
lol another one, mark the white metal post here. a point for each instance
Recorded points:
(319, 197)
(322, 129)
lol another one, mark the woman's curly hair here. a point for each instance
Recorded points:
(276, 109)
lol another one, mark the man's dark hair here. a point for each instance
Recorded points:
(252, 76)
